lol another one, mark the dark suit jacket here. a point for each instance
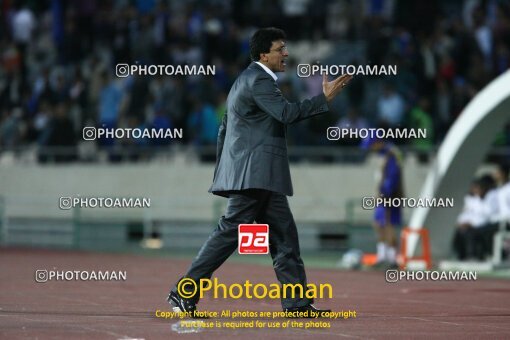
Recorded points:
(252, 145)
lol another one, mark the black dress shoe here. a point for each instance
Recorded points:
(183, 305)
(308, 311)
(180, 304)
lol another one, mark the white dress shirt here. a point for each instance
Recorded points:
(271, 73)
(474, 212)
(504, 202)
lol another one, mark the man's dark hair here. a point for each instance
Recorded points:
(262, 40)
(487, 182)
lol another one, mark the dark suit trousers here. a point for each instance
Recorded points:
(264, 207)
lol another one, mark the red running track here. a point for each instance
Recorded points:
(126, 309)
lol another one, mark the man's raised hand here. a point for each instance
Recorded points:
(332, 88)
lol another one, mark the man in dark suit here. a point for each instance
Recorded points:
(252, 168)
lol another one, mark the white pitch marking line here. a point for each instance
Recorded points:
(429, 320)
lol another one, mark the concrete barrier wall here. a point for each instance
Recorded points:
(178, 191)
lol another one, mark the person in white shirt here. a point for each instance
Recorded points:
(497, 203)
(503, 193)
(504, 202)
(474, 226)
(473, 215)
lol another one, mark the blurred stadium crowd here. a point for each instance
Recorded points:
(58, 64)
